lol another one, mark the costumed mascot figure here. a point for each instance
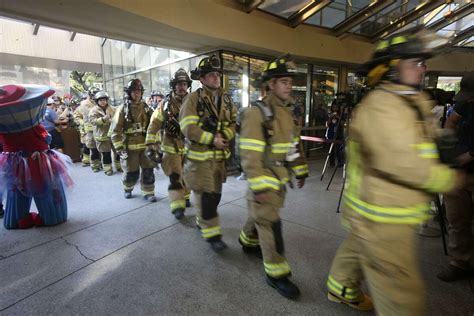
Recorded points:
(28, 168)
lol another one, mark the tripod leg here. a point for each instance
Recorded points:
(340, 196)
(332, 177)
(326, 162)
(441, 214)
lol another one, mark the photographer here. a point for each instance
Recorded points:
(459, 204)
(335, 131)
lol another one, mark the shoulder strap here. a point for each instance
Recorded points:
(268, 116)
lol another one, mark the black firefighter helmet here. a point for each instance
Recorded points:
(180, 76)
(280, 67)
(205, 66)
(422, 44)
(133, 85)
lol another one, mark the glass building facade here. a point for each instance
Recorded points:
(314, 88)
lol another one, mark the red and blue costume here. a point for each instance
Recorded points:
(28, 168)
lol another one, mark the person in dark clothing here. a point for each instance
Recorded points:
(459, 204)
(335, 131)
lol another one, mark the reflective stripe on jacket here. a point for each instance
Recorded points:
(265, 160)
(393, 162)
(199, 142)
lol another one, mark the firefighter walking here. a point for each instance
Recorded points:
(128, 131)
(100, 117)
(90, 154)
(207, 120)
(390, 176)
(270, 153)
(164, 136)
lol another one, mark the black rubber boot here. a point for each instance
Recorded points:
(217, 244)
(452, 273)
(150, 198)
(255, 251)
(284, 286)
(188, 203)
(127, 194)
(178, 213)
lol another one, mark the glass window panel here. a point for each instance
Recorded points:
(236, 78)
(457, 26)
(128, 55)
(337, 12)
(283, 8)
(449, 83)
(107, 62)
(181, 64)
(142, 56)
(256, 67)
(324, 88)
(160, 78)
(159, 55)
(177, 54)
(332, 16)
(109, 88)
(118, 91)
(299, 89)
(384, 17)
(116, 53)
(145, 78)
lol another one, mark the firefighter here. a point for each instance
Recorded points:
(128, 131)
(100, 117)
(391, 176)
(164, 124)
(90, 154)
(270, 153)
(207, 120)
(156, 98)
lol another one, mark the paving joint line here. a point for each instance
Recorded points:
(81, 229)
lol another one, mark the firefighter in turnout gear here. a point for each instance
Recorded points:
(207, 120)
(164, 136)
(271, 153)
(90, 154)
(391, 176)
(128, 131)
(100, 117)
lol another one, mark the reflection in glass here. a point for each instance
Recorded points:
(145, 78)
(116, 53)
(236, 78)
(299, 90)
(336, 12)
(142, 56)
(159, 55)
(386, 16)
(118, 91)
(107, 62)
(283, 8)
(324, 88)
(128, 55)
(160, 78)
(256, 67)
